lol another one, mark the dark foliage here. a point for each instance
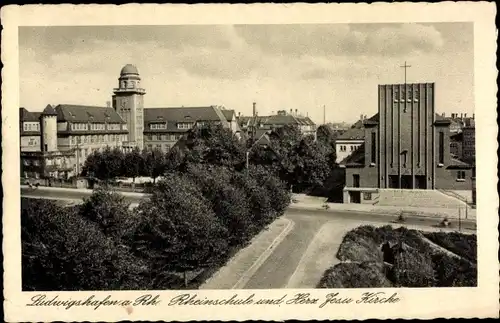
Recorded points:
(355, 275)
(461, 244)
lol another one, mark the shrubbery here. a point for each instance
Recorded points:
(410, 260)
(460, 244)
(355, 275)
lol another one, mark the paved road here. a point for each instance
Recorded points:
(276, 271)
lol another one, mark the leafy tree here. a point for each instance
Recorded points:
(92, 164)
(216, 145)
(326, 139)
(154, 163)
(228, 202)
(109, 211)
(275, 188)
(173, 160)
(177, 230)
(63, 251)
(259, 201)
(133, 163)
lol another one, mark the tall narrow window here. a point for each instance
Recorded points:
(441, 147)
(374, 147)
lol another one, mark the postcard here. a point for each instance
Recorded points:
(249, 162)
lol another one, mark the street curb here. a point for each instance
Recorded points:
(263, 257)
(386, 213)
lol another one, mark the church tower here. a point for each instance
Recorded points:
(128, 101)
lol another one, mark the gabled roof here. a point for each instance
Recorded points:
(352, 134)
(83, 113)
(49, 111)
(184, 114)
(229, 114)
(25, 115)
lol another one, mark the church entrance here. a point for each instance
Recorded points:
(393, 181)
(406, 182)
(420, 182)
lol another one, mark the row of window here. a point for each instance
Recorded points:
(35, 126)
(185, 125)
(164, 137)
(344, 148)
(97, 139)
(156, 126)
(96, 126)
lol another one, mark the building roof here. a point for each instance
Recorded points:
(129, 69)
(49, 111)
(82, 113)
(26, 116)
(352, 134)
(174, 115)
(229, 114)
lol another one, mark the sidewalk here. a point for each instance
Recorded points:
(313, 203)
(240, 268)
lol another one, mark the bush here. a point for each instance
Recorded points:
(413, 269)
(356, 247)
(464, 245)
(454, 272)
(354, 275)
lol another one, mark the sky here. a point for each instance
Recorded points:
(280, 67)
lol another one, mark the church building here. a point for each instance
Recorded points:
(405, 146)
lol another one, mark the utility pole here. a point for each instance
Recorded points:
(324, 114)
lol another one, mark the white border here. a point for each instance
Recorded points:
(416, 303)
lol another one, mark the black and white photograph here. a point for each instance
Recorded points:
(247, 156)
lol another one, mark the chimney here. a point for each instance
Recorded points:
(361, 117)
(239, 114)
(296, 112)
(473, 116)
(461, 115)
(465, 115)
(254, 109)
(364, 117)
(108, 104)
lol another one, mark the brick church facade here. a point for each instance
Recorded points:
(406, 146)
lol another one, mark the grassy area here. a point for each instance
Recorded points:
(384, 257)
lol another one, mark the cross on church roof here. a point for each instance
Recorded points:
(405, 66)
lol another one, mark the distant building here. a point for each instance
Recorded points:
(56, 142)
(351, 139)
(406, 146)
(338, 128)
(258, 125)
(163, 127)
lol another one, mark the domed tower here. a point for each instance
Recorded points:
(128, 101)
(48, 124)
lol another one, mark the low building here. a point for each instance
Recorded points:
(250, 124)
